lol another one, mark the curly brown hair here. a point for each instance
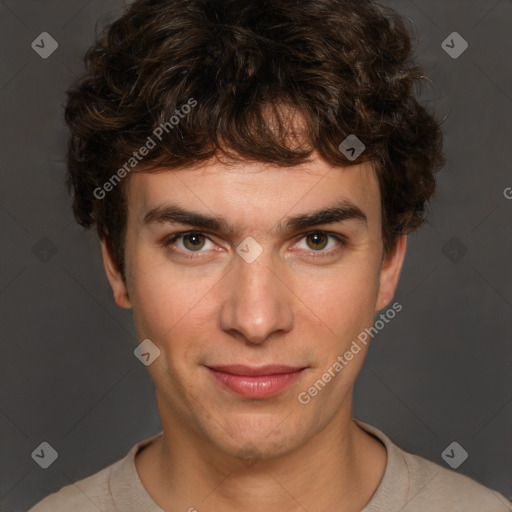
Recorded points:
(344, 66)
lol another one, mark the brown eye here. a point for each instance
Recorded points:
(316, 240)
(193, 241)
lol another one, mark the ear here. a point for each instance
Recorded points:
(390, 272)
(115, 278)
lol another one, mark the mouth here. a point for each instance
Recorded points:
(255, 382)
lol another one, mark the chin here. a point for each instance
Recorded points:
(266, 434)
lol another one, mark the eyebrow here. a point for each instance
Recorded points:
(344, 210)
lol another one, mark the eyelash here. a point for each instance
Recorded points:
(342, 243)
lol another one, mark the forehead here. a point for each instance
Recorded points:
(254, 193)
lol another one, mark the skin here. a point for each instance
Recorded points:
(289, 306)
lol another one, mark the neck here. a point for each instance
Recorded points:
(339, 468)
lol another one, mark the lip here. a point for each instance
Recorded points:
(269, 369)
(255, 382)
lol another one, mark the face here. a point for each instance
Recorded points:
(254, 265)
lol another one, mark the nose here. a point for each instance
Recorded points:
(257, 302)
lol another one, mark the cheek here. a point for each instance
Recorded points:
(344, 299)
(175, 319)
(158, 297)
(171, 308)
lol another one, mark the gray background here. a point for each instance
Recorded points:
(439, 372)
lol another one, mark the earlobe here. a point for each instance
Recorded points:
(390, 273)
(115, 278)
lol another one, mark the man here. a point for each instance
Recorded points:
(253, 169)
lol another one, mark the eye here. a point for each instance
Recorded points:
(317, 241)
(190, 241)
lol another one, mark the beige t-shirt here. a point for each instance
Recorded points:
(410, 484)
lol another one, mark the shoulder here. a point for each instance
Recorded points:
(115, 487)
(87, 495)
(433, 487)
(412, 483)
